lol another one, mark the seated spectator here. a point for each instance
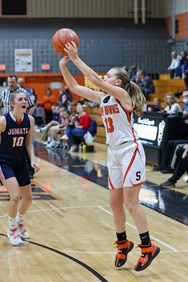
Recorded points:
(65, 102)
(66, 92)
(55, 120)
(78, 127)
(48, 100)
(55, 132)
(172, 106)
(157, 102)
(132, 73)
(56, 108)
(183, 62)
(91, 132)
(156, 106)
(145, 83)
(174, 67)
(180, 169)
(186, 79)
(185, 101)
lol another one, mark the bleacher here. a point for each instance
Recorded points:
(163, 86)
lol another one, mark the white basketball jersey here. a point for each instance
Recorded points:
(118, 122)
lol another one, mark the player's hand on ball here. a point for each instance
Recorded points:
(62, 37)
(72, 50)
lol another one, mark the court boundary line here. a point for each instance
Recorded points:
(84, 265)
(131, 225)
(103, 209)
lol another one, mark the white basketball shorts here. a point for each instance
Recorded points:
(126, 165)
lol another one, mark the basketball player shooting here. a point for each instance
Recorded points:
(119, 98)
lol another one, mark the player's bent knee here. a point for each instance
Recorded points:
(15, 198)
(115, 206)
(129, 206)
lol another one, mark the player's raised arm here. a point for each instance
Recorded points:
(80, 90)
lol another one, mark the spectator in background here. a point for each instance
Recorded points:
(78, 127)
(31, 92)
(157, 102)
(55, 132)
(5, 96)
(132, 72)
(181, 168)
(20, 83)
(65, 102)
(145, 83)
(185, 101)
(174, 67)
(156, 106)
(183, 62)
(186, 79)
(48, 100)
(67, 93)
(33, 96)
(55, 121)
(172, 106)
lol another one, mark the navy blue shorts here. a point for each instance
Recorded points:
(22, 175)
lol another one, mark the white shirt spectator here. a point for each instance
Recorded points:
(175, 61)
(173, 109)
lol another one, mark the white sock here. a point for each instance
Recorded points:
(53, 142)
(43, 129)
(12, 223)
(49, 139)
(19, 218)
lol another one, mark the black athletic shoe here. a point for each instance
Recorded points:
(124, 247)
(148, 254)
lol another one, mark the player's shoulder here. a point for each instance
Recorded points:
(31, 118)
(2, 123)
(2, 118)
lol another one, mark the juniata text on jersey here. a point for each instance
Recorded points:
(17, 131)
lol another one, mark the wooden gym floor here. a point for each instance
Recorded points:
(72, 231)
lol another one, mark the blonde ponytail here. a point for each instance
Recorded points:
(137, 97)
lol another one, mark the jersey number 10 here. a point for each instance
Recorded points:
(18, 141)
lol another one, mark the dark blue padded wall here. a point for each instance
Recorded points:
(105, 52)
(103, 43)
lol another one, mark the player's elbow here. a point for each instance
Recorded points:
(74, 89)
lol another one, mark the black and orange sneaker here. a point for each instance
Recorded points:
(124, 247)
(148, 254)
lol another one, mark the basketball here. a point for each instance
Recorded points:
(61, 37)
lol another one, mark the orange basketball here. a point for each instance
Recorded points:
(61, 37)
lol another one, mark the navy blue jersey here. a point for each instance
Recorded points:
(12, 145)
(13, 160)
